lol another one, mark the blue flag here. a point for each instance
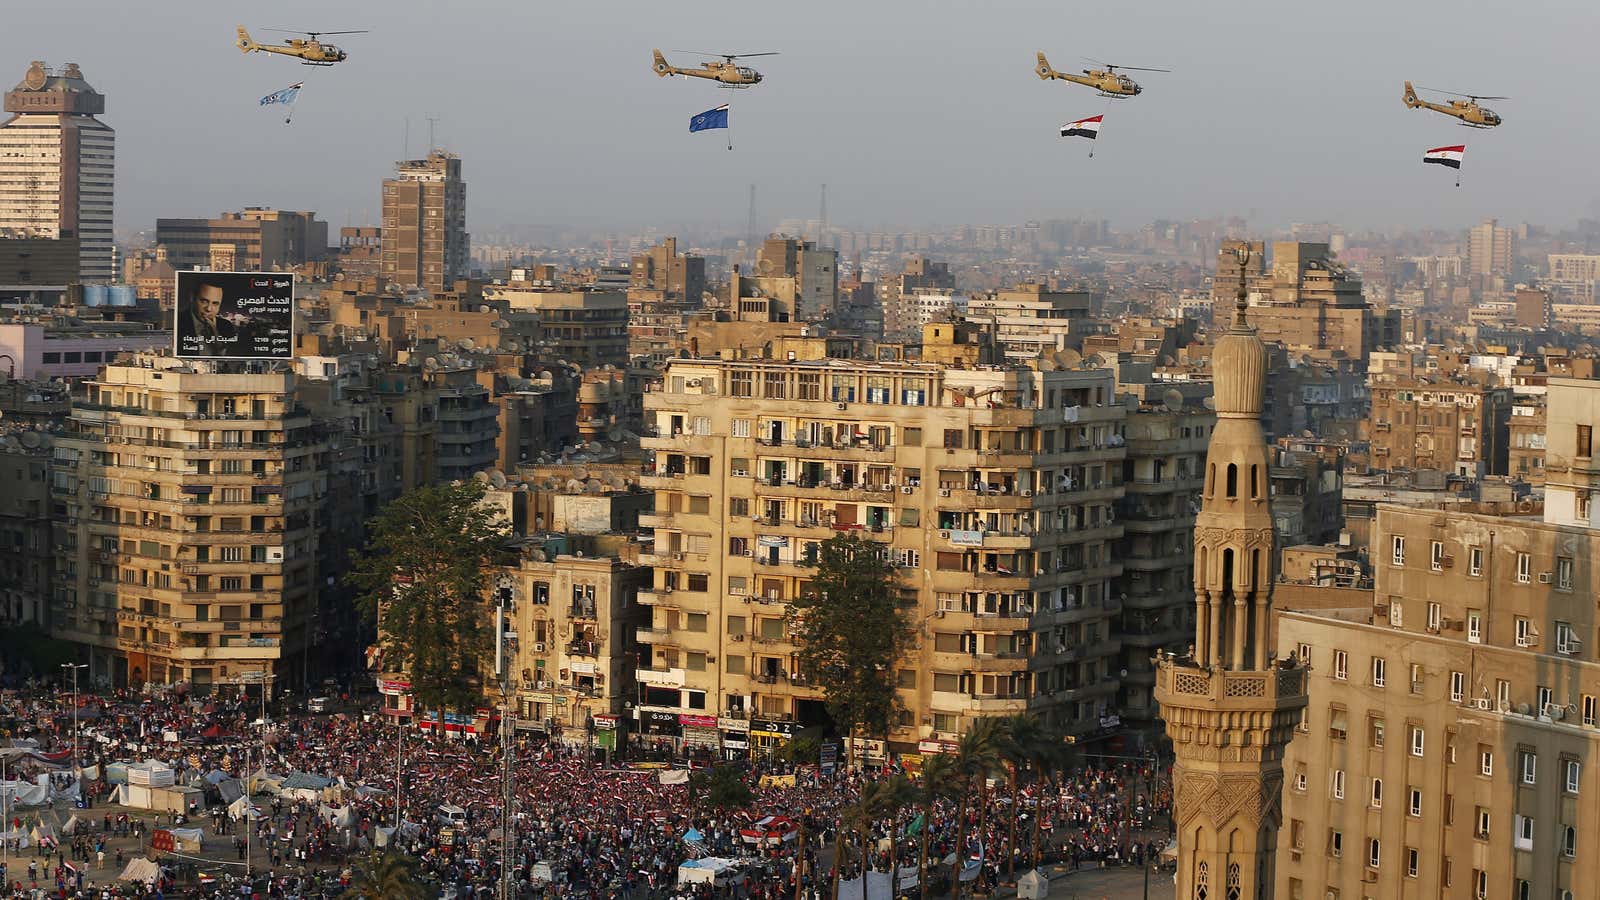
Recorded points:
(711, 118)
(285, 96)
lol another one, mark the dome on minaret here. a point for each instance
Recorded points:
(1239, 373)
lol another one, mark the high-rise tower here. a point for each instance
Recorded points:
(425, 223)
(57, 165)
(1231, 707)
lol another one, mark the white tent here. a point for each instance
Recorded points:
(140, 869)
(338, 818)
(1033, 883)
(186, 839)
(236, 809)
(877, 887)
(711, 870)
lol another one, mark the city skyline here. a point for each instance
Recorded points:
(560, 119)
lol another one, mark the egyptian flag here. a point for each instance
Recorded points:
(1088, 128)
(1446, 156)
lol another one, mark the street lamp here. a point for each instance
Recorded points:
(265, 679)
(74, 667)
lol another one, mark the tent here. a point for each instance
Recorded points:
(236, 809)
(878, 885)
(674, 776)
(1033, 884)
(1170, 854)
(187, 840)
(338, 818)
(713, 870)
(142, 870)
(303, 786)
(71, 827)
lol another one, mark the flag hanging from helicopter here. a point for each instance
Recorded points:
(1086, 128)
(711, 118)
(284, 98)
(1446, 156)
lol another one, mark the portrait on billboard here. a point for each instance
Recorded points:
(234, 315)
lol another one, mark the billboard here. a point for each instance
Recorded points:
(234, 315)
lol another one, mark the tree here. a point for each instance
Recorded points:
(391, 875)
(977, 757)
(884, 799)
(422, 578)
(1022, 744)
(850, 630)
(941, 781)
(721, 788)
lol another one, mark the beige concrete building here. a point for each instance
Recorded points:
(992, 487)
(1491, 250)
(1457, 423)
(1572, 411)
(58, 166)
(1231, 705)
(424, 231)
(1030, 319)
(187, 509)
(1453, 727)
(253, 239)
(1526, 436)
(588, 328)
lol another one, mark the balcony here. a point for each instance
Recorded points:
(1185, 484)
(665, 598)
(658, 520)
(585, 648)
(660, 637)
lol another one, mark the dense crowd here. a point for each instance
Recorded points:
(586, 826)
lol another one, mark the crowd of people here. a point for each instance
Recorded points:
(586, 826)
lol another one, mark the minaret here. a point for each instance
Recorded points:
(1231, 707)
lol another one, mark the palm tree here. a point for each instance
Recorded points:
(1020, 737)
(391, 875)
(940, 781)
(977, 757)
(885, 799)
(1051, 757)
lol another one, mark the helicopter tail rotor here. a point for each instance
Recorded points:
(244, 43)
(1411, 97)
(1043, 68)
(661, 67)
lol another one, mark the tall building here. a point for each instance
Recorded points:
(1030, 319)
(425, 242)
(1491, 250)
(186, 507)
(1232, 707)
(901, 322)
(1456, 422)
(991, 488)
(58, 166)
(680, 278)
(251, 240)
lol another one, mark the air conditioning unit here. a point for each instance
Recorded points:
(944, 492)
(1484, 703)
(945, 535)
(678, 557)
(736, 637)
(1555, 711)
(938, 614)
(538, 647)
(1574, 646)
(841, 405)
(908, 490)
(1544, 577)
(749, 553)
(1027, 493)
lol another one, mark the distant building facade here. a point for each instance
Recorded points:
(424, 233)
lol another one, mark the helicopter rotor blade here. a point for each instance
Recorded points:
(1459, 94)
(311, 33)
(724, 55)
(362, 31)
(1113, 68)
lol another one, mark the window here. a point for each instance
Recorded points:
(741, 428)
(1528, 766)
(1338, 724)
(1485, 760)
(1524, 632)
(1436, 556)
(1341, 665)
(1522, 838)
(1337, 787)
(1435, 614)
(1524, 568)
(1567, 639)
(1377, 793)
(1397, 546)
(1481, 830)
(1300, 777)
(1414, 803)
(1480, 884)
(1374, 853)
(1545, 697)
(1564, 573)
(1335, 843)
(1417, 740)
(1585, 440)
(1379, 671)
(1474, 627)
(1411, 862)
(740, 383)
(1458, 686)
(1569, 842)
(1573, 775)
(1591, 710)
(1418, 678)
(1396, 614)
(1375, 732)
(1475, 561)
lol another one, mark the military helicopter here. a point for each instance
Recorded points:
(311, 53)
(1468, 110)
(727, 73)
(1106, 80)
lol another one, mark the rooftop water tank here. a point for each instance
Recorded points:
(95, 295)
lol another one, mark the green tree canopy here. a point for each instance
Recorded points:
(422, 579)
(391, 875)
(851, 632)
(721, 788)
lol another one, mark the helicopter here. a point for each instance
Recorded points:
(311, 52)
(1468, 111)
(728, 73)
(1106, 80)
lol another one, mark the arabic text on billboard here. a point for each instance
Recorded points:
(234, 315)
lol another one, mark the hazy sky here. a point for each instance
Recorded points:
(912, 112)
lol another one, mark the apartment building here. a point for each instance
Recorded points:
(253, 239)
(1030, 319)
(186, 507)
(993, 489)
(424, 234)
(1453, 727)
(26, 535)
(1457, 423)
(1526, 436)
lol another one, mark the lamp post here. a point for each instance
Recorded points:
(265, 679)
(74, 667)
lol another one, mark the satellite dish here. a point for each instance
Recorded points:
(483, 309)
(1172, 399)
(1067, 359)
(482, 477)
(614, 435)
(430, 363)
(31, 439)
(498, 479)
(465, 343)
